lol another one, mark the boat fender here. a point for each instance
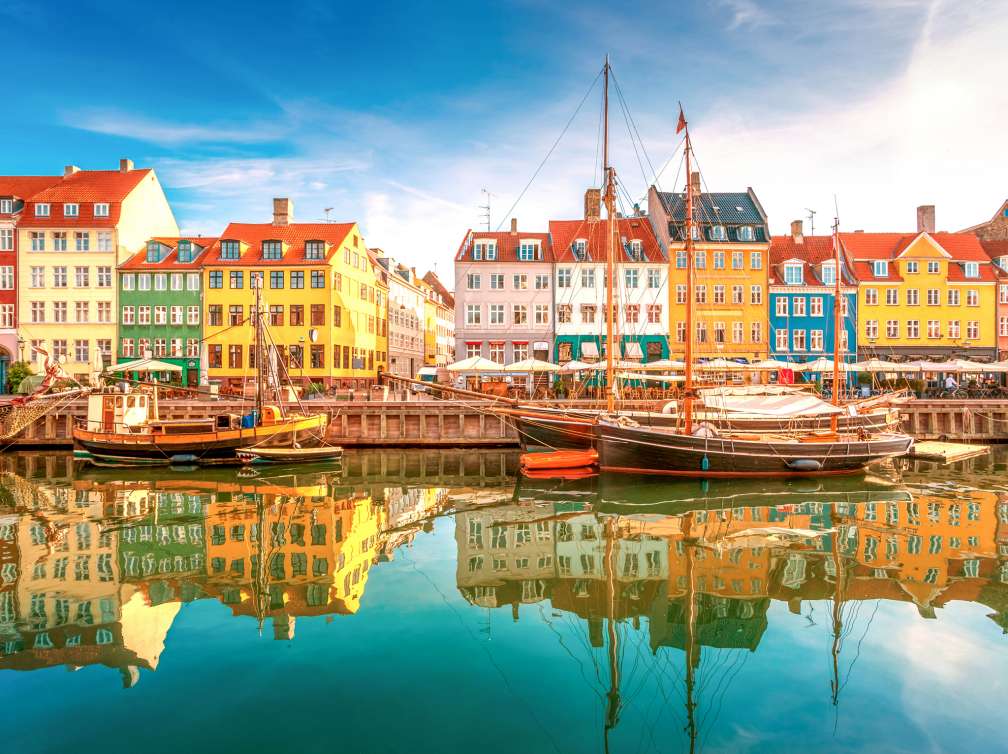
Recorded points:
(183, 458)
(705, 463)
(804, 464)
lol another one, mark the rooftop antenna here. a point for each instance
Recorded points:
(486, 208)
(327, 210)
(811, 216)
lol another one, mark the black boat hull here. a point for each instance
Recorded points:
(640, 450)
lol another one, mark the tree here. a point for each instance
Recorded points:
(17, 372)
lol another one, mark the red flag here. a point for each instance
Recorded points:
(682, 121)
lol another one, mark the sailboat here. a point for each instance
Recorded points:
(124, 428)
(767, 408)
(704, 450)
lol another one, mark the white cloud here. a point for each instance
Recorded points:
(746, 13)
(117, 123)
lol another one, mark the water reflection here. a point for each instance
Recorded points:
(95, 567)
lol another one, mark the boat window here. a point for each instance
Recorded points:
(130, 402)
(119, 401)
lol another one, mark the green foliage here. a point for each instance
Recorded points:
(17, 371)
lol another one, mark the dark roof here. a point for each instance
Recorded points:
(564, 232)
(718, 208)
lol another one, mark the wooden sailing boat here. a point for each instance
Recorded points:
(707, 451)
(125, 428)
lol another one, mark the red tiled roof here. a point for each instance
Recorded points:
(864, 273)
(434, 282)
(293, 235)
(507, 245)
(565, 232)
(814, 250)
(85, 187)
(25, 186)
(963, 247)
(995, 249)
(139, 260)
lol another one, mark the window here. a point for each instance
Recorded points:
(799, 340)
(160, 282)
(680, 293)
(880, 268)
(82, 311)
(276, 279)
(756, 263)
(38, 277)
(177, 314)
(756, 332)
(816, 306)
(175, 347)
(528, 251)
(871, 329)
(318, 315)
(588, 312)
(216, 278)
(276, 315)
(972, 269)
(933, 268)
(234, 356)
(143, 315)
(781, 306)
(781, 339)
(81, 350)
(297, 279)
(314, 249)
(953, 297)
(160, 347)
(6, 239)
(933, 328)
(756, 295)
(542, 282)
(59, 241)
(799, 306)
(719, 260)
(37, 311)
(496, 314)
(542, 314)
(236, 313)
(60, 311)
(42, 209)
(37, 241)
(892, 296)
(82, 241)
(520, 312)
(719, 332)
(176, 281)
(101, 209)
(631, 277)
(318, 278)
(497, 281)
(215, 315)
(871, 296)
(892, 328)
(105, 277)
(127, 346)
(933, 297)
(912, 297)
(236, 279)
(59, 277)
(913, 328)
(911, 267)
(699, 259)
(564, 277)
(192, 347)
(7, 278)
(953, 329)
(563, 313)
(484, 250)
(192, 281)
(473, 282)
(972, 330)
(143, 282)
(105, 240)
(631, 313)
(701, 332)
(680, 332)
(653, 278)
(654, 313)
(473, 314)
(520, 282)
(972, 298)
(272, 250)
(296, 315)
(7, 315)
(793, 273)
(230, 249)
(1002, 327)
(6, 206)
(719, 294)
(588, 277)
(474, 349)
(215, 352)
(737, 294)
(828, 272)
(680, 260)
(701, 294)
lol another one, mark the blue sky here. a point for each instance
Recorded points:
(397, 115)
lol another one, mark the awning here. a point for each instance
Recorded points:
(540, 345)
(771, 405)
(589, 349)
(143, 365)
(632, 350)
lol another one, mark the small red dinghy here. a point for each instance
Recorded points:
(559, 460)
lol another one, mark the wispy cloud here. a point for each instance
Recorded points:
(746, 13)
(168, 133)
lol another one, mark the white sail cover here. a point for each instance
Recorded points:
(781, 406)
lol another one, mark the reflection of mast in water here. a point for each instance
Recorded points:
(691, 646)
(613, 696)
(837, 616)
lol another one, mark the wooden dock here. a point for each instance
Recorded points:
(947, 452)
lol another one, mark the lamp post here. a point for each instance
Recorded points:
(21, 345)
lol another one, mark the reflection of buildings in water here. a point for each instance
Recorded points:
(407, 513)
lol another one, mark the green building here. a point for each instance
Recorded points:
(161, 304)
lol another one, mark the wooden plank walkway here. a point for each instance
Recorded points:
(947, 452)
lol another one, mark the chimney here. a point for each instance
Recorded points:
(69, 170)
(796, 231)
(695, 181)
(283, 211)
(926, 218)
(514, 226)
(593, 204)
(125, 165)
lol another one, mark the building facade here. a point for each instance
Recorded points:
(923, 295)
(995, 229)
(71, 238)
(802, 289)
(998, 253)
(440, 335)
(732, 244)
(503, 296)
(161, 304)
(640, 292)
(14, 191)
(406, 322)
(322, 300)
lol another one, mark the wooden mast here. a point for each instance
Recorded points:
(609, 189)
(260, 356)
(837, 323)
(688, 357)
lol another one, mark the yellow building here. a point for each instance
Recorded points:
(71, 237)
(324, 302)
(923, 295)
(439, 321)
(730, 279)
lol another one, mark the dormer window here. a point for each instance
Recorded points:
(6, 206)
(42, 209)
(71, 210)
(972, 269)
(696, 233)
(1002, 262)
(580, 249)
(101, 209)
(636, 250)
(484, 249)
(528, 251)
(880, 268)
(272, 250)
(185, 251)
(793, 273)
(315, 250)
(745, 233)
(153, 251)
(230, 250)
(829, 273)
(717, 233)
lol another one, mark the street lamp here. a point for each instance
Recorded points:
(21, 345)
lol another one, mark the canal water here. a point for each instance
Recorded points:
(430, 602)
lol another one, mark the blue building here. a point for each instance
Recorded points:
(802, 287)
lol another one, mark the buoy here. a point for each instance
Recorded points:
(705, 463)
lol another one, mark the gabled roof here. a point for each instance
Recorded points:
(813, 251)
(565, 232)
(507, 245)
(293, 235)
(85, 188)
(139, 260)
(24, 187)
(865, 248)
(434, 282)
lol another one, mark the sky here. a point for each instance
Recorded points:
(399, 115)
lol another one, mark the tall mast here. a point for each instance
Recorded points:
(260, 356)
(688, 358)
(608, 178)
(837, 322)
